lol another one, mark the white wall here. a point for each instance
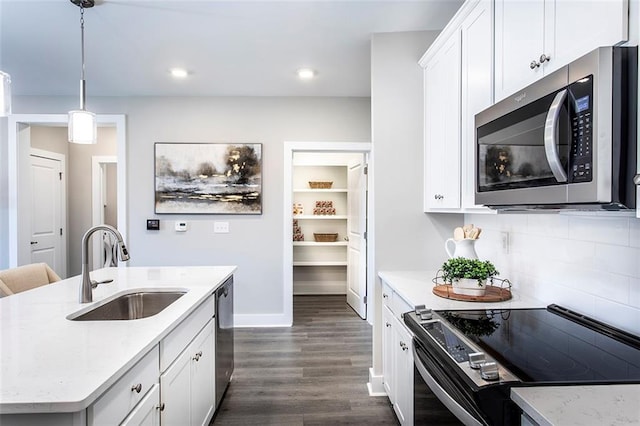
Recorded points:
(587, 262)
(254, 242)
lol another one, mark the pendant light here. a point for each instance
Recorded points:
(83, 127)
(5, 94)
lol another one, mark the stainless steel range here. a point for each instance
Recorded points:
(471, 359)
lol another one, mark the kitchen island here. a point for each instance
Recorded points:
(53, 369)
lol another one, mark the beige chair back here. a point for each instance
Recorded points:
(25, 278)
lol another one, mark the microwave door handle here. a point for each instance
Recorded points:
(551, 134)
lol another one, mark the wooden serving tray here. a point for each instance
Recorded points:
(492, 294)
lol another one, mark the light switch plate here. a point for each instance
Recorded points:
(221, 227)
(181, 226)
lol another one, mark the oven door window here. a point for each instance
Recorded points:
(511, 150)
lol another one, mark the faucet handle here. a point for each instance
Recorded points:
(95, 283)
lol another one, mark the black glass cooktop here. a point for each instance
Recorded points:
(552, 345)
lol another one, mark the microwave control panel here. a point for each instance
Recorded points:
(581, 131)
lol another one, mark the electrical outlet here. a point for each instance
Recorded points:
(505, 242)
(221, 227)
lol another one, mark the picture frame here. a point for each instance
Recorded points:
(208, 178)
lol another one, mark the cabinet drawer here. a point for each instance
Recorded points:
(399, 306)
(179, 338)
(147, 413)
(387, 293)
(116, 403)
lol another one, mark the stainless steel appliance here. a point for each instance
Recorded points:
(568, 140)
(224, 338)
(470, 360)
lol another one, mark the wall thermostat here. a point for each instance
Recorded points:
(153, 224)
(181, 226)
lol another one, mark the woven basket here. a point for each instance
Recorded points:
(325, 238)
(320, 185)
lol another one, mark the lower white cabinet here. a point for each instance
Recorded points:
(187, 386)
(147, 412)
(123, 397)
(397, 356)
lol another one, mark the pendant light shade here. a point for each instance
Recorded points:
(5, 94)
(83, 127)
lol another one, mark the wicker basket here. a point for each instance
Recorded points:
(320, 185)
(325, 238)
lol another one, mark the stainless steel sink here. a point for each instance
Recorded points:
(130, 306)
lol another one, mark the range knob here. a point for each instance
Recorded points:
(489, 371)
(476, 359)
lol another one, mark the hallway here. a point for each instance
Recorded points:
(314, 373)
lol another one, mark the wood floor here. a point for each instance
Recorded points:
(314, 373)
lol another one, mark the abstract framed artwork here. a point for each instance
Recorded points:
(208, 178)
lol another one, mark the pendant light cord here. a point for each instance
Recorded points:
(82, 81)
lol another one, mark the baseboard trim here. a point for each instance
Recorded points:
(260, 320)
(375, 384)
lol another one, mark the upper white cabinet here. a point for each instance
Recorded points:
(458, 83)
(442, 126)
(535, 37)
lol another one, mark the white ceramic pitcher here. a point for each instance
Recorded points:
(461, 248)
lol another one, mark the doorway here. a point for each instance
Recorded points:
(19, 179)
(104, 207)
(356, 245)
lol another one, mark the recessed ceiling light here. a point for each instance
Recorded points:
(179, 73)
(306, 73)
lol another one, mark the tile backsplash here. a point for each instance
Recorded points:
(588, 262)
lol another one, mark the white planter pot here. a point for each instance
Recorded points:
(468, 287)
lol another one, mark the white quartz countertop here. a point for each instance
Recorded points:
(416, 288)
(51, 364)
(580, 405)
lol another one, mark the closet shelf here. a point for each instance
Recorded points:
(321, 263)
(320, 216)
(313, 243)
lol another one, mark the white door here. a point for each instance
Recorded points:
(356, 231)
(46, 213)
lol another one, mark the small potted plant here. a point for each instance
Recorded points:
(468, 276)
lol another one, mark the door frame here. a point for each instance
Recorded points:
(290, 147)
(56, 156)
(18, 158)
(98, 162)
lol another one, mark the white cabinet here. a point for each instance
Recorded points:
(187, 386)
(536, 37)
(397, 355)
(458, 83)
(147, 413)
(320, 267)
(442, 126)
(477, 88)
(118, 402)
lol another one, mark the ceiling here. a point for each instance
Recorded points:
(230, 48)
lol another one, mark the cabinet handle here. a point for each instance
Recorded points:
(403, 346)
(388, 325)
(198, 356)
(438, 197)
(533, 65)
(33, 242)
(636, 179)
(385, 296)
(544, 58)
(137, 388)
(160, 407)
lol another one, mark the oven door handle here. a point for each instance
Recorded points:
(551, 136)
(453, 406)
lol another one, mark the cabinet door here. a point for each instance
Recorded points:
(404, 375)
(147, 412)
(519, 41)
(388, 353)
(442, 128)
(175, 392)
(574, 28)
(477, 87)
(202, 376)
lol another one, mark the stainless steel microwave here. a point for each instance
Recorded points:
(568, 140)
